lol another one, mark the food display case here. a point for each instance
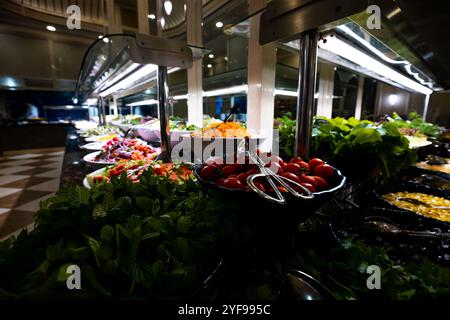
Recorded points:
(305, 217)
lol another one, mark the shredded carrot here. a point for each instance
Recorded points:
(223, 130)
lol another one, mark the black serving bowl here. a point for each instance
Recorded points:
(337, 182)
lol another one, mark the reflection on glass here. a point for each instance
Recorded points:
(344, 93)
(368, 102)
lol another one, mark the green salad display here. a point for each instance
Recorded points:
(155, 239)
(361, 148)
(415, 121)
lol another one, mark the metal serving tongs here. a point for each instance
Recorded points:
(270, 176)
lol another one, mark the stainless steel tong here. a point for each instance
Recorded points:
(270, 177)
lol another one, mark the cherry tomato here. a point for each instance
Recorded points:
(242, 177)
(239, 168)
(321, 183)
(252, 172)
(315, 162)
(291, 176)
(307, 179)
(220, 181)
(209, 173)
(278, 160)
(260, 186)
(308, 186)
(304, 167)
(275, 167)
(233, 183)
(282, 189)
(242, 160)
(158, 170)
(265, 157)
(228, 171)
(325, 171)
(292, 168)
(295, 160)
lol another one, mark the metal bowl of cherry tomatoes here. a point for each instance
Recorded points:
(322, 179)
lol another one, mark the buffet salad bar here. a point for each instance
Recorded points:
(247, 224)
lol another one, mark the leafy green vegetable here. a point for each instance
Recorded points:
(286, 130)
(362, 148)
(415, 121)
(153, 239)
(343, 271)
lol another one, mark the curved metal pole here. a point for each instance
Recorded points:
(306, 87)
(163, 93)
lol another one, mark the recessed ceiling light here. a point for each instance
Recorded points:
(219, 24)
(51, 28)
(211, 56)
(151, 16)
(209, 65)
(168, 7)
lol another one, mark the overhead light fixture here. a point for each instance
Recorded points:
(51, 28)
(168, 7)
(143, 103)
(128, 81)
(350, 53)
(280, 92)
(91, 102)
(366, 44)
(231, 90)
(209, 65)
(210, 56)
(239, 89)
(180, 97)
(219, 24)
(151, 16)
(100, 36)
(393, 99)
(163, 22)
(105, 40)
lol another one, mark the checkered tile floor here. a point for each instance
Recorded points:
(26, 180)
